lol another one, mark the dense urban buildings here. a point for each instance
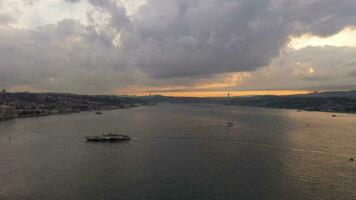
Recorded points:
(7, 112)
(40, 104)
(340, 101)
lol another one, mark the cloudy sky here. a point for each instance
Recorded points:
(190, 47)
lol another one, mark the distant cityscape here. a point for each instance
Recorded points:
(25, 104)
(337, 101)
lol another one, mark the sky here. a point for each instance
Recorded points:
(178, 47)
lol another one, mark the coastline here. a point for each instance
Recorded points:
(70, 112)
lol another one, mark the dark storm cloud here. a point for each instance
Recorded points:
(116, 10)
(168, 39)
(66, 56)
(187, 38)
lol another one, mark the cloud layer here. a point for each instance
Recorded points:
(172, 44)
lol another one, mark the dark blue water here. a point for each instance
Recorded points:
(181, 152)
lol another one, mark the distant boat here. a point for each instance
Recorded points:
(98, 112)
(229, 124)
(108, 137)
(333, 115)
(299, 110)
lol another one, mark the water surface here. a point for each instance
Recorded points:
(181, 151)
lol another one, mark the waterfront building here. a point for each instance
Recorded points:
(7, 112)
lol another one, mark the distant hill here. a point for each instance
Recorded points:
(67, 102)
(351, 94)
(336, 101)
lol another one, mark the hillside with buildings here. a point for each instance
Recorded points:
(7, 112)
(307, 103)
(324, 101)
(39, 104)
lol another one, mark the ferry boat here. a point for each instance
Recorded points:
(108, 137)
(229, 124)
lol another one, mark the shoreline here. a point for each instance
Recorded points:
(71, 112)
(93, 111)
(276, 108)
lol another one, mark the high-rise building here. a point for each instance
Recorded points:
(7, 112)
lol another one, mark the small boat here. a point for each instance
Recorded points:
(98, 112)
(108, 137)
(333, 115)
(229, 124)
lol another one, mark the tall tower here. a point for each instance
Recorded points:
(228, 95)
